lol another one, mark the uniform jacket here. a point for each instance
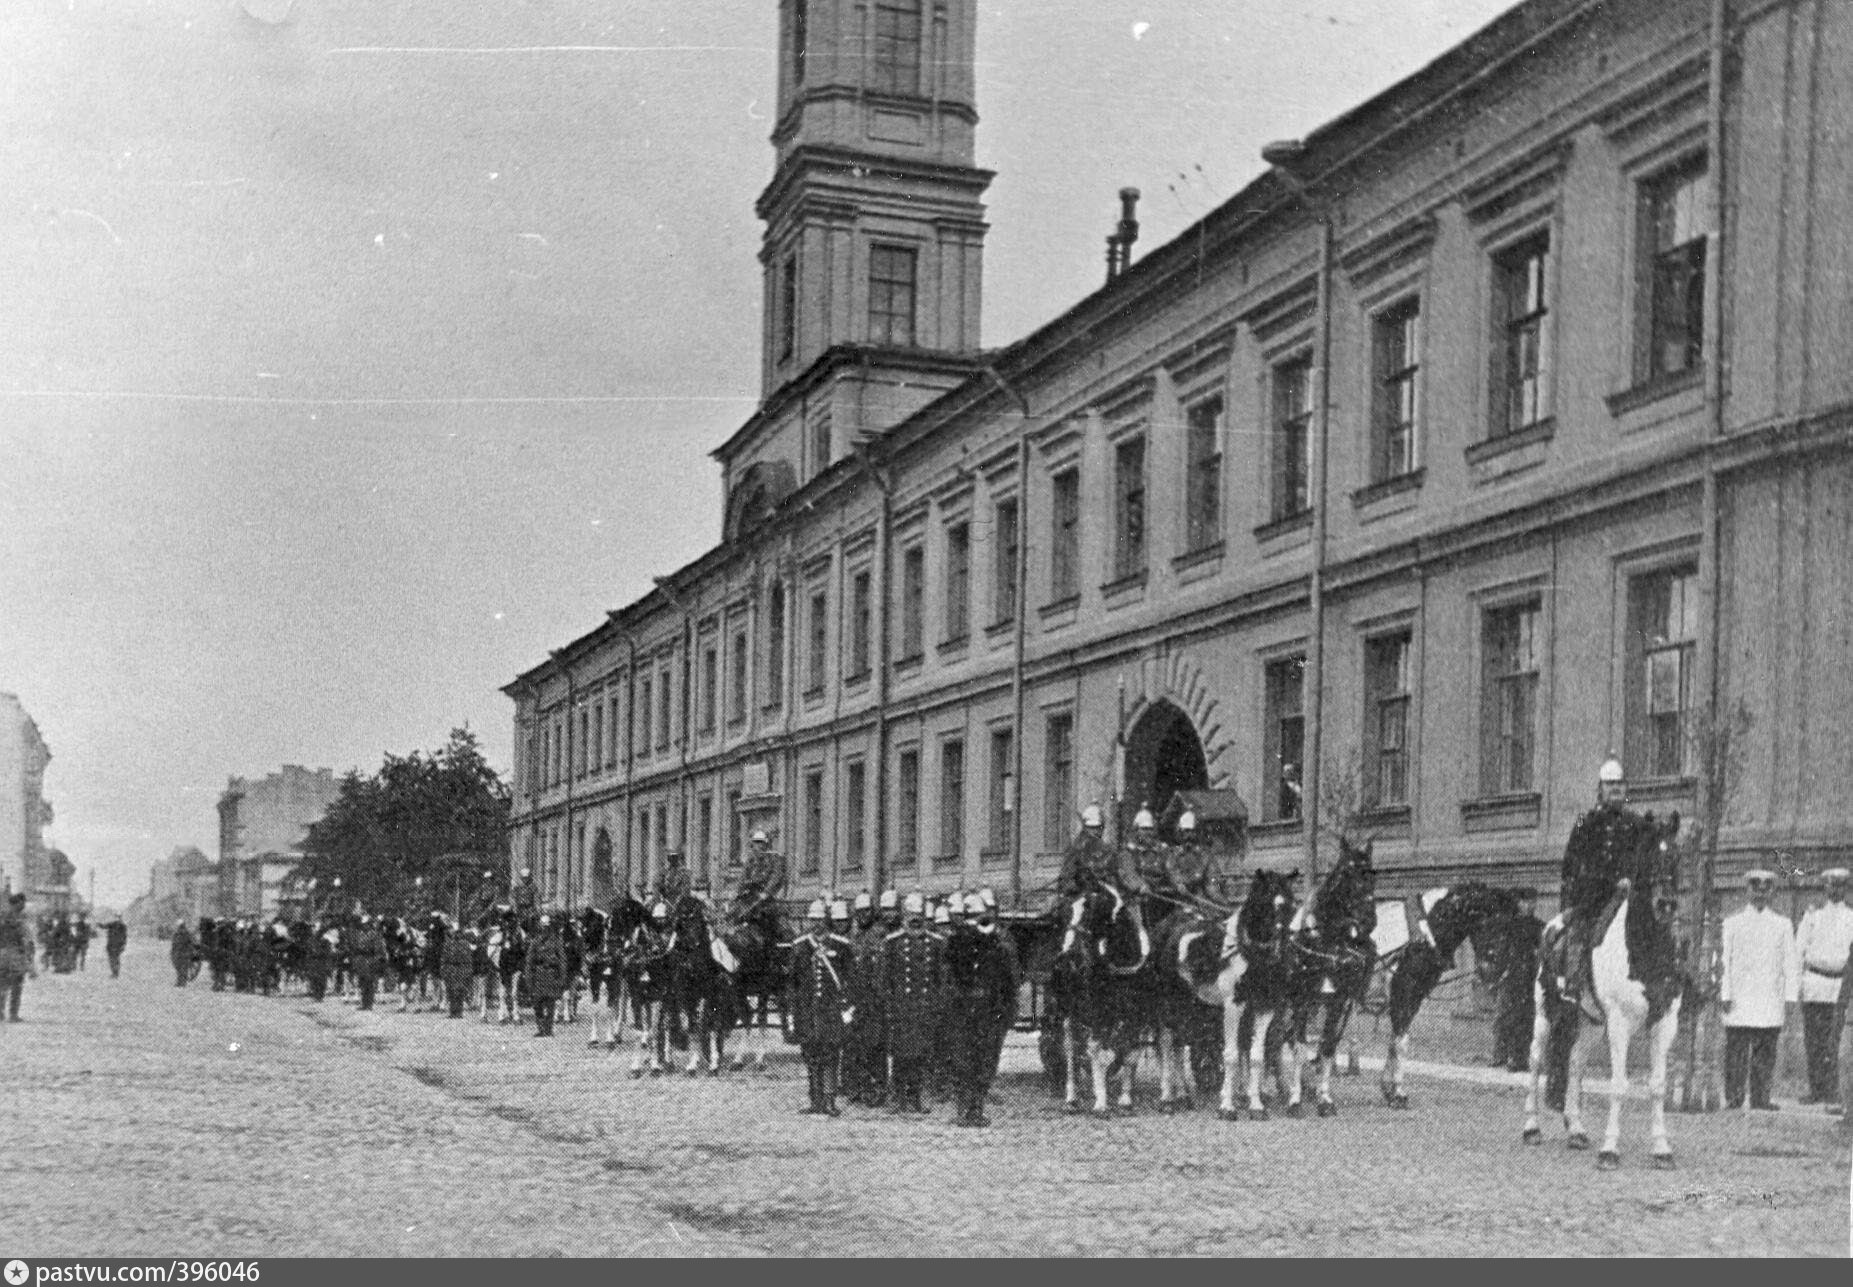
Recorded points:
(762, 878)
(1601, 850)
(822, 967)
(180, 951)
(1088, 859)
(15, 945)
(546, 967)
(1760, 972)
(913, 984)
(366, 952)
(117, 936)
(458, 963)
(981, 978)
(1822, 943)
(866, 986)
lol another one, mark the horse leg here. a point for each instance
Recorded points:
(1391, 1081)
(1660, 1043)
(1573, 1087)
(1099, 1059)
(1166, 1042)
(1231, 1060)
(1257, 1059)
(1070, 1041)
(1126, 1063)
(1618, 1029)
(1540, 1042)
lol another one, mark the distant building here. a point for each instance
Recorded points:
(25, 864)
(185, 884)
(262, 824)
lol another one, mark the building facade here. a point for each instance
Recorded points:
(262, 824)
(182, 886)
(1499, 426)
(25, 863)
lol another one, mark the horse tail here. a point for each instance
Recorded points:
(1557, 1055)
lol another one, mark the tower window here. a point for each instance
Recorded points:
(788, 308)
(800, 38)
(897, 47)
(891, 295)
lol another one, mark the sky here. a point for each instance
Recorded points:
(355, 353)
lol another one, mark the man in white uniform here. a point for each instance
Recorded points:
(1761, 978)
(1822, 943)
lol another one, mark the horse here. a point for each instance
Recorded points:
(1101, 989)
(1469, 912)
(1188, 1007)
(508, 954)
(1254, 981)
(1635, 982)
(643, 967)
(600, 970)
(701, 993)
(757, 946)
(1333, 954)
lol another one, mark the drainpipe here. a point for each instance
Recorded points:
(572, 714)
(688, 713)
(1709, 519)
(1019, 636)
(877, 858)
(630, 741)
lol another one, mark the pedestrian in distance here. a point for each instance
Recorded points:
(16, 951)
(318, 960)
(545, 969)
(180, 953)
(367, 958)
(1760, 980)
(457, 968)
(115, 939)
(1822, 942)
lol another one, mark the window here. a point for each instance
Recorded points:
(1129, 508)
(645, 687)
(1521, 352)
(1671, 281)
(813, 821)
(662, 834)
(897, 47)
(952, 799)
(595, 748)
(891, 295)
(775, 647)
(820, 640)
(662, 710)
(546, 756)
(611, 747)
(559, 751)
(854, 814)
(788, 308)
(582, 754)
(907, 809)
(1058, 781)
(859, 625)
(1203, 474)
(1289, 493)
(1509, 698)
(800, 39)
(1396, 349)
(1285, 735)
(1386, 721)
(913, 600)
(1065, 536)
(820, 444)
(643, 835)
(710, 685)
(1004, 564)
(704, 833)
(531, 766)
(734, 855)
(958, 581)
(1663, 631)
(736, 679)
(1003, 802)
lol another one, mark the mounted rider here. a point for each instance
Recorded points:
(525, 897)
(1150, 860)
(1091, 863)
(762, 881)
(1192, 870)
(1601, 852)
(673, 883)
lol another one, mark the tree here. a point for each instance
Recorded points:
(1720, 746)
(417, 834)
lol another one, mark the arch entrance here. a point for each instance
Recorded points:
(1164, 755)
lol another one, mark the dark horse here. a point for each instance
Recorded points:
(508, 955)
(642, 950)
(1635, 983)
(701, 993)
(1332, 954)
(1254, 980)
(758, 950)
(601, 974)
(1187, 1006)
(1100, 990)
(1468, 912)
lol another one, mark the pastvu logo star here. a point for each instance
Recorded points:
(15, 1272)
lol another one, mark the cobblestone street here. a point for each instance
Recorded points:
(143, 1119)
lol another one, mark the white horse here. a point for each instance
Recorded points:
(1626, 1009)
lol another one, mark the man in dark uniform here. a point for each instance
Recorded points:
(1150, 859)
(115, 939)
(988, 923)
(16, 948)
(913, 980)
(318, 960)
(1193, 872)
(545, 970)
(180, 953)
(1602, 845)
(367, 958)
(820, 1005)
(525, 897)
(982, 999)
(762, 881)
(673, 883)
(1516, 969)
(81, 934)
(865, 1063)
(457, 967)
(1090, 861)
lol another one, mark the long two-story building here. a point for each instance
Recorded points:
(1500, 425)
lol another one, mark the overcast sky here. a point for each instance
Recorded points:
(354, 353)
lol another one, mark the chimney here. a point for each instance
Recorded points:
(1119, 243)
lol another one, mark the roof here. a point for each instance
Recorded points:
(1219, 805)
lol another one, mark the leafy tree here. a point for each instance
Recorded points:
(417, 834)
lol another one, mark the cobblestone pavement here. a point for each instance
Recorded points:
(145, 1119)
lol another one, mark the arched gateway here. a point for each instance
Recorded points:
(1164, 755)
